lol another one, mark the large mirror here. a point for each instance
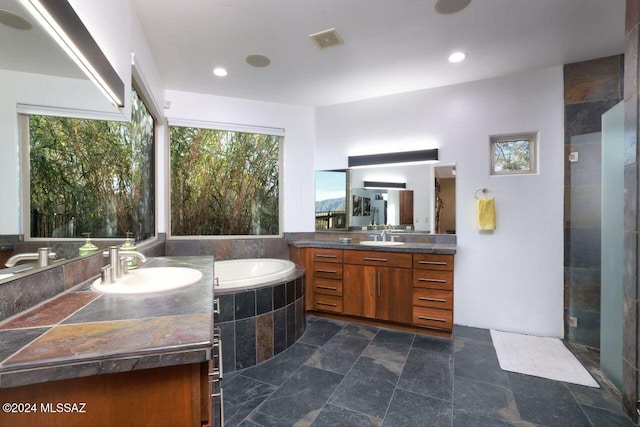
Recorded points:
(405, 196)
(35, 73)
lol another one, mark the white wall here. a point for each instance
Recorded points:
(510, 279)
(299, 126)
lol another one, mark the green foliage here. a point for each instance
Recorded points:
(92, 176)
(223, 183)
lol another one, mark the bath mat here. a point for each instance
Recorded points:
(540, 357)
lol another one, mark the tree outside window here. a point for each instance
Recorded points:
(513, 154)
(224, 182)
(92, 176)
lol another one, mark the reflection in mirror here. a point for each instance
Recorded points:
(412, 207)
(445, 199)
(34, 71)
(378, 206)
(331, 200)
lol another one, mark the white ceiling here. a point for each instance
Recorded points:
(390, 46)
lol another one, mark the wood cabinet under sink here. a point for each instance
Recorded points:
(397, 289)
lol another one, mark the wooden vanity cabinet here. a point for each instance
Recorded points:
(410, 291)
(377, 285)
(433, 291)
(168, 396)
(327, 283)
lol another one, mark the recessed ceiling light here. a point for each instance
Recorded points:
(259, 61)
(456, 57)
(219, 71)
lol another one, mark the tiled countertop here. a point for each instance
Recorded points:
(425, 248)
(83, 332)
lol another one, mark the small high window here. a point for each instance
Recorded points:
(513, 154)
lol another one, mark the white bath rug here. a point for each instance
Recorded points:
(541, 357)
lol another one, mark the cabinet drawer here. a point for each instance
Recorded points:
(327, 287)
(327, 270)
(384, 259)
(433, 261)
(327, 255)
(433, 279)
(435, 298)
(433, 317)
(327, 303)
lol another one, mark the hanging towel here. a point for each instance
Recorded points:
(486, 214)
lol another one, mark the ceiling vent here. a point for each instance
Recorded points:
(327, 38)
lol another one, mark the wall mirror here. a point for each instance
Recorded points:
(350, 199)
(34, 73)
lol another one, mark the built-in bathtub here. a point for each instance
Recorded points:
(261, 308)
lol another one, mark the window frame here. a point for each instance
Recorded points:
(26, 110)
(231, 127)
(530, 137)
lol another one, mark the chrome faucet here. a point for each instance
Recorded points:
(44, 257)
(386, 232)
(118, 263)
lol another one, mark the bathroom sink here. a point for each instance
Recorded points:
(153, 279)
(380, 243)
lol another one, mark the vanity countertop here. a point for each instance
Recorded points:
(407, 247)
(82, 332)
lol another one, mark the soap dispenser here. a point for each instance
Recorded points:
(129, 246)
(88, 247)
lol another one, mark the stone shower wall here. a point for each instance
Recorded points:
(631, 218)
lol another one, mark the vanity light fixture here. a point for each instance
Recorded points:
(390, 158)
(384, 185)
(59, 19)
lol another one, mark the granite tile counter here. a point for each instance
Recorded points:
(406, 247)
(82, 332)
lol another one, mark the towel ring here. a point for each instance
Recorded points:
(482, 190)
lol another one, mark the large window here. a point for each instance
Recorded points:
(92, 176)
(224, 182)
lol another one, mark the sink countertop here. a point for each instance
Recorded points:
(82, 332)
(410, 247)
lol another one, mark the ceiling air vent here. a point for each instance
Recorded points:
(327, 38)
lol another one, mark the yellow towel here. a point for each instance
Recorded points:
(486, 214)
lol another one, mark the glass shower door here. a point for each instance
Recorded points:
(611, 281)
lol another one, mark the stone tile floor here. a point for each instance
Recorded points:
(346, 374)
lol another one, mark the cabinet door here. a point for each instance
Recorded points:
(394, 293)
(359, 290)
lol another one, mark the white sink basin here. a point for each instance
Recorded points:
(380, 243)
(153, 279)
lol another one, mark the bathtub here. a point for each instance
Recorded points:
(261, 310)
(244, 273)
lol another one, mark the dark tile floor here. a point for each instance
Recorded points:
(346, 374)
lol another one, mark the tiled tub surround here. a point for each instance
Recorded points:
(81, 332)
(260, 322)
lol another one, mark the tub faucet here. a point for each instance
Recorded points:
(118, 264)
(43, 256)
